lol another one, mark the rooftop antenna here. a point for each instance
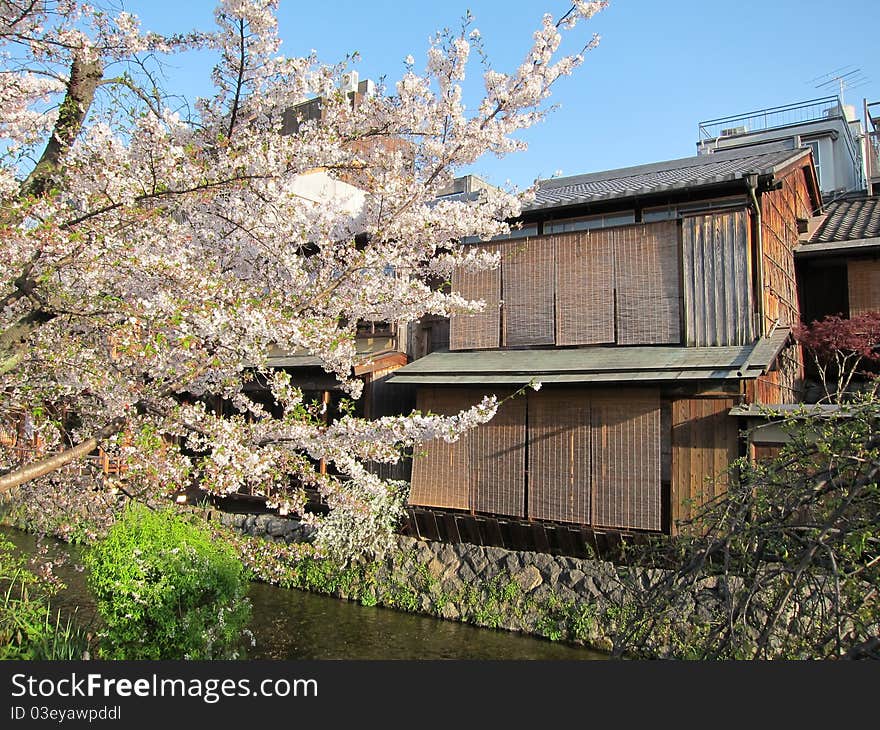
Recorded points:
(845, 77)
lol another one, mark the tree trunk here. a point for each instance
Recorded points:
(85, 76)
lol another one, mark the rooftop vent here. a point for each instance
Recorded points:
(733, 131)
(349, 81)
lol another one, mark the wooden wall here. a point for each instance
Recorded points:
(429, 334)
(705, 439)
(864, 285)
(717, 279)
(581, 456)
(780, 210)
(785, 380)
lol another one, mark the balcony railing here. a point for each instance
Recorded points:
(776, 117)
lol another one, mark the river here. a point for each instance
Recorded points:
(292, 624)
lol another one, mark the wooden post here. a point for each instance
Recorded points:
(325, 400)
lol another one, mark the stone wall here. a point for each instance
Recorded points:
(553, 596)
(556, 597)
(272, 527)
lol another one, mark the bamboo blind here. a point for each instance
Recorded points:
(442, 477)
(527, 272)
(498, 452)
(718, 296)
(646, 276)
(705, 440)
(481, 330)
(625, 459)
(559, 455)
(864, 286)
(584, 288)
(593, 458)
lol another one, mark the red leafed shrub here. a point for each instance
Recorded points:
(843, 349)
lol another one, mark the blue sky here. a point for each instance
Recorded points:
(660, 68)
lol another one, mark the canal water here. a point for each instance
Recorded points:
(291, 624)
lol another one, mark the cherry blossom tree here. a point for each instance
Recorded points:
(155, 251)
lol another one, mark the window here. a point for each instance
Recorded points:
(590, 222)
(672, 211)
(813, 144)
(668, 213)
(530, 229)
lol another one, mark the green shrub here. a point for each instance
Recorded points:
(167, 590)
(29, 629)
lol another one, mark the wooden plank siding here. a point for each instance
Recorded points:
(705, 440)
(481, 330)
(584, 288)
(717, 280)
(785, 380)
(625, 459)
(646, 280)
(780, 211)
(760, 452)
(559, 455)
(528, 271)
(864, 285)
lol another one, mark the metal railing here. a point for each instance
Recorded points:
(776, 117)
(872, 143)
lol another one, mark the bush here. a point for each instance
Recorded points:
(29, 629)
(167, 590)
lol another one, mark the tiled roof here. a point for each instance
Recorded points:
(688, 172)
(850, 220)
(595, 364)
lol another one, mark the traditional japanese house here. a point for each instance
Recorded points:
(649, 302)
(838, 263)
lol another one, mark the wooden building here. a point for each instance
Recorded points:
(649, 302)
(838, 263)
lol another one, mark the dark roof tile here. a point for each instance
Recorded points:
(850, 220)
(688, 172)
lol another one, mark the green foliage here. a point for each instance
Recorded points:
(29, 629)
(167, 590)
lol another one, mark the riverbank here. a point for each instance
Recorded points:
(302, 625)
(557, 598)
(554, 597)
